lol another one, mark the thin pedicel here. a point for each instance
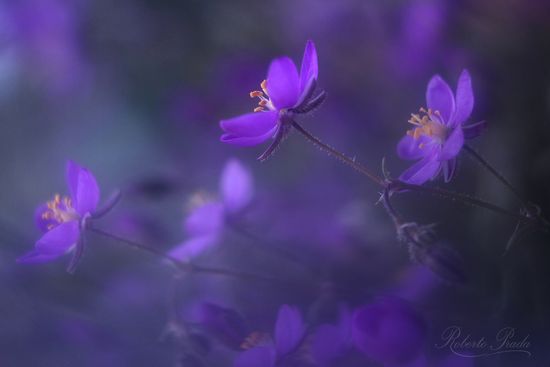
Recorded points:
(188, 267)
(531, 209)
(398, 186)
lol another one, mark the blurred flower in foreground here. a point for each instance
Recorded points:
(439, 132)
(389, 331)
(225, 324)
(284, 93)
(63, 219)
(330, 341)
(264, 351)
(206, 222)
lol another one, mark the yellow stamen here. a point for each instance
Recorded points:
(59, 210)
(253, 340)
(427, 125)
(263, 96)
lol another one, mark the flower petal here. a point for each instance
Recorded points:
(439, 97)
(283, 83)
(326, 344)
(422, 171)
(43, 224)
(83, 188)
(464, 98)
(389, 331)
(289, 329)
(60, 239)
(310, 68)
(409, 147)
(193, 247)
(449, 169)
(452, 145)
(226, 324)
(236, 186)
(474, 130)
(263, 356)
(206, 219)
(249, 129)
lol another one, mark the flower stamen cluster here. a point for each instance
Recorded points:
(59, 210)
(263, 95)
(428, 123)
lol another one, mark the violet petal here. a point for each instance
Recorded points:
(439, 97)
(60, 239)
(283, 83)
(464, 98)
(236, 186)
(289, 329)
(422, 171)
(310, 68)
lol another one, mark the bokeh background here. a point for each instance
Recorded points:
(134, 90)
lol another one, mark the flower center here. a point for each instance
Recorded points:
(255, 339)
(60, 210)
(428, 123)
(264, 102)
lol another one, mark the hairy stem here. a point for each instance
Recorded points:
(339, 155)
(397, 185)
(456, 196)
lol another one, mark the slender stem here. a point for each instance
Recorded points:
(269, 247)
(339, 155)
(187, 266)
(399, 185)
(495, 173)
(456, 196)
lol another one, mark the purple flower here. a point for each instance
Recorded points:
(226, 324)
(389, 331)
(284, 93)
(289, 332)
(63, 219)
(439, 131)
(329, 341)
(206, 222)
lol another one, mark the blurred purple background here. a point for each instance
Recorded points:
(134, 90)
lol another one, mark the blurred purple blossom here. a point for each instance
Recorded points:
(206, 222)
(289, 332)
(226, 324)
(330, 341)
(45, 33)
(439, 131)
(389, 331)
(284, 93)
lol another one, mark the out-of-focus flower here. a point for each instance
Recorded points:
(284, 93)
(439, 131)
(262, 350)
(206, 222)
(63, 219)
(330, 341)
(389, 331)
(225, 324)
(46, 36)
